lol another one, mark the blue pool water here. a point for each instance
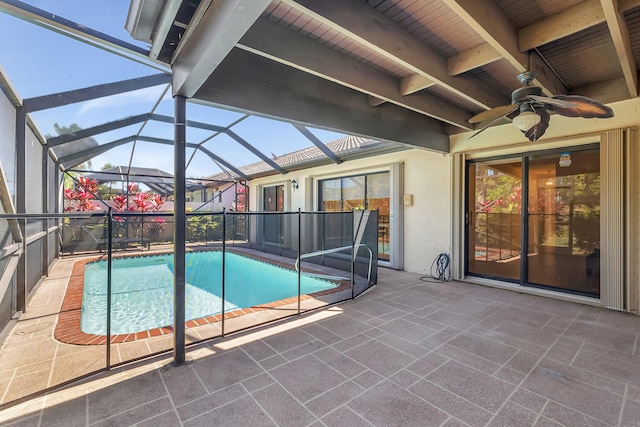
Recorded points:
(142, 289)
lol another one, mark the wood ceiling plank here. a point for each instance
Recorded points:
(620, 37)
(382, 35)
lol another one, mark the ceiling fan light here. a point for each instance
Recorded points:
(526, 120)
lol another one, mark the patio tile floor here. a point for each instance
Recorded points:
(406, 353)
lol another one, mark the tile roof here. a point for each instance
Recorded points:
(346, 148)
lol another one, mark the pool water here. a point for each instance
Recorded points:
(142, 289)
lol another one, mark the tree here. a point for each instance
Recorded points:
(73, 146)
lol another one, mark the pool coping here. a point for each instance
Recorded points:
(68, 330)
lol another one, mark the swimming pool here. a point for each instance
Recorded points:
(142, 289)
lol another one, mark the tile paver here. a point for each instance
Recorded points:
(406, 353)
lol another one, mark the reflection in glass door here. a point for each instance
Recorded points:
(561, 203)
(369, 191)
(564, 222)
(494, 219)
(273, 225)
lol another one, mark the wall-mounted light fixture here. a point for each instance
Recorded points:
(294, 184)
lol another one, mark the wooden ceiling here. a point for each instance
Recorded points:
(445, 60)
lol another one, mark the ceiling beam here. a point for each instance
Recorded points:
(607, 92)
(300, 52)
(255, 84)
(164, 24)
(471, 58)
(380, 34)
(210, 36)
(571, 20)
(414, 83)
(374, 102)
(620, 36)
(486, 18)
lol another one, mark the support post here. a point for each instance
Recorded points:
(353, 254)
(45, 209)
(56, 209)
(299, 256)
(109, 277)
(179, 230)
(224, 256)
(21, 205)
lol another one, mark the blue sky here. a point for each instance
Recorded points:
(40, 62)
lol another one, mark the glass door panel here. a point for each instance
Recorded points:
(494, 219)
(273, 225)
(353, 193)
(564, 222)
(378, 193)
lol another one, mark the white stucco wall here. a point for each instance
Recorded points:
(427, 176)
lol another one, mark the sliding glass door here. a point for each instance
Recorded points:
(564, 222)
(494, 219)
(273, 225)
(369, 191)
(559, 194)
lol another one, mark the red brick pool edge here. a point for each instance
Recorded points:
(68, 327)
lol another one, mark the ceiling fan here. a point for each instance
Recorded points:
(530, 110)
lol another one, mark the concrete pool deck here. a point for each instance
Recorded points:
(407, 352)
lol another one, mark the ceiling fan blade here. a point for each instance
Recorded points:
(583, 107)
(538, 130)
(505, 114)
(552, 101)
(499, 112)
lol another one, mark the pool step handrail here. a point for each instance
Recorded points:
(333, 250)
(357, 238)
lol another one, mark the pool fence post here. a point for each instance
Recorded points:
(224, 253)
(179, 229)
(109, 293)
(353, 253)
(299, 254)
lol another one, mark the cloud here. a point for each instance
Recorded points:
(123, 100)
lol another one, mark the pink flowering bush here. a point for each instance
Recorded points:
(143, 202)
(80, 198)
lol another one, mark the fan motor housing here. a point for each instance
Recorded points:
(520, 94)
